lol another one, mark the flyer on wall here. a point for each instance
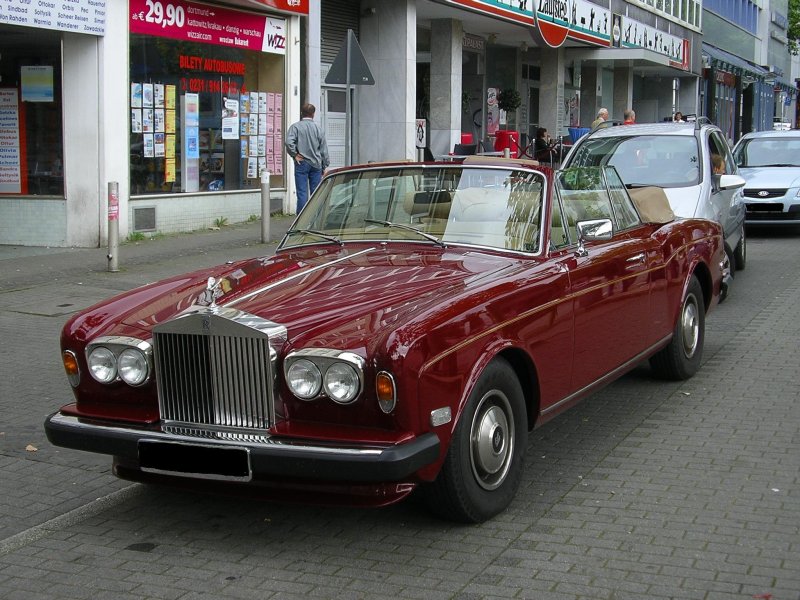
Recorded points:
(230, 119)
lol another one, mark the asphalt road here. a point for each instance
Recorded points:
(645, 490)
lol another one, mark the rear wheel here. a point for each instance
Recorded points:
(681, 358)
(483, 467)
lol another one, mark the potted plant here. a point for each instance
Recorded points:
(509, 100)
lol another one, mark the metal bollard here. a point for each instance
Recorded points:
(113, 226)
(506, 152)
(265, 207)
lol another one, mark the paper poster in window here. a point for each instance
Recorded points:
(253, 126)
(169, 146)
(262, 164)
(262, 124)
(278, 104)
(158, 144)
(136, 95)
(169, 121)
(217, 162)
(253, 150)
(192, 142)
(192, 116)
(147, 95)
(169, 170)
(36, 83)
(253, 102)
(278, 166)
(262, 102)
(252, 168)
(230, 119)
(244, 125)
(244, 150)
(149, 145)
(169, 96)
(136, 120)
(244, 99)
(262, 145)
(159, 120)
(148, 120)
(158, 95)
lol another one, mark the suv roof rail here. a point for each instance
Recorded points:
(699, 121)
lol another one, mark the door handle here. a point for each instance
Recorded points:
(636, 259)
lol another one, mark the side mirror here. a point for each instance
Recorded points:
(593, 231)
(731, 182)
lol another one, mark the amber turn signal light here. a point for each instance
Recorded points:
(385, 391)
(71, 367)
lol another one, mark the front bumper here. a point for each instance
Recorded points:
(773, 212)
(244, 459)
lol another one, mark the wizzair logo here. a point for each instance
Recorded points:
(275, 40)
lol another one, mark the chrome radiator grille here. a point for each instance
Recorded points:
(214, 373)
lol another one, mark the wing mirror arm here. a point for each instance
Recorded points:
(592, 231)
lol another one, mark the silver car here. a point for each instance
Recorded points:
(676, 157)
(770, 162)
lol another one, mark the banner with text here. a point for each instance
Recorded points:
(197, 22)
(78, 16)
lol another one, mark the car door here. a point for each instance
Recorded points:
(727, 205)
(610, 287)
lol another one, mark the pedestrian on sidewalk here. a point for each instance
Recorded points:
(305, 142)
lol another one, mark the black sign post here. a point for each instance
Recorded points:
(349, 68)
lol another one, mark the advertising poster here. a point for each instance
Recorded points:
(36, 83)
(10, 155)
(244, 125)
(158, 95)
(148, 120)
(262, 145)
(169, 121)
(245, 103)
(192, 145)
(169, 146)
(149, 146)
(230, 119)
(169, 170)
(252, 168)
(192, 110)
(147, 95)
(262, 124)
(244, 149)
(262, 102)
(136, 95)
(136, 120)
(158, 145)
(158, 123)
(169, 97)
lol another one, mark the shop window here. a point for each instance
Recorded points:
(31, 139)
(204, 117)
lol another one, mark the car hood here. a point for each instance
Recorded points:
(771, 177)
(322, 295)
(685, 200)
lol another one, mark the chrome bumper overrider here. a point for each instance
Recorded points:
(255, 456)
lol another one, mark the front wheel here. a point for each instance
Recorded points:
(681, 358)
(740, 252)
(483, 467)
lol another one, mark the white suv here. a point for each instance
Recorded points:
(678, 158)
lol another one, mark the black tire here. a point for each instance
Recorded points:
(740, 252)
(483, 467)
(681, 358)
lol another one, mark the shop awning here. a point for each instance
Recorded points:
(732, 63)
(642, 61)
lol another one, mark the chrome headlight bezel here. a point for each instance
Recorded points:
(115, 345)
(305, 371)
(324, 359)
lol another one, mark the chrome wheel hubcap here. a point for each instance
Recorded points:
(492, 440)
(690, 325)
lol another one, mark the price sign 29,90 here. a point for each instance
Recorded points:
(167, 15)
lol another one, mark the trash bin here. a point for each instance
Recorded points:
(576, 133)
(507, 138)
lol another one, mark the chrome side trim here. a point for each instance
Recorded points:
(609, 376)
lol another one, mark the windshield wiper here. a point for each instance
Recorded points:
(427, 236)
(325, 236)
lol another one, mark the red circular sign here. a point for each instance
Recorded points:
(553, 21)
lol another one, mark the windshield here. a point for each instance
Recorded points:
(642, 160)
(765, 152)
(459, 204)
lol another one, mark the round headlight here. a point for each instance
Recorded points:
(341, 383)
(304, 379)
(103, 365)
(132, 366)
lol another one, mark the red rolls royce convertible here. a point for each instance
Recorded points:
(414, 324)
